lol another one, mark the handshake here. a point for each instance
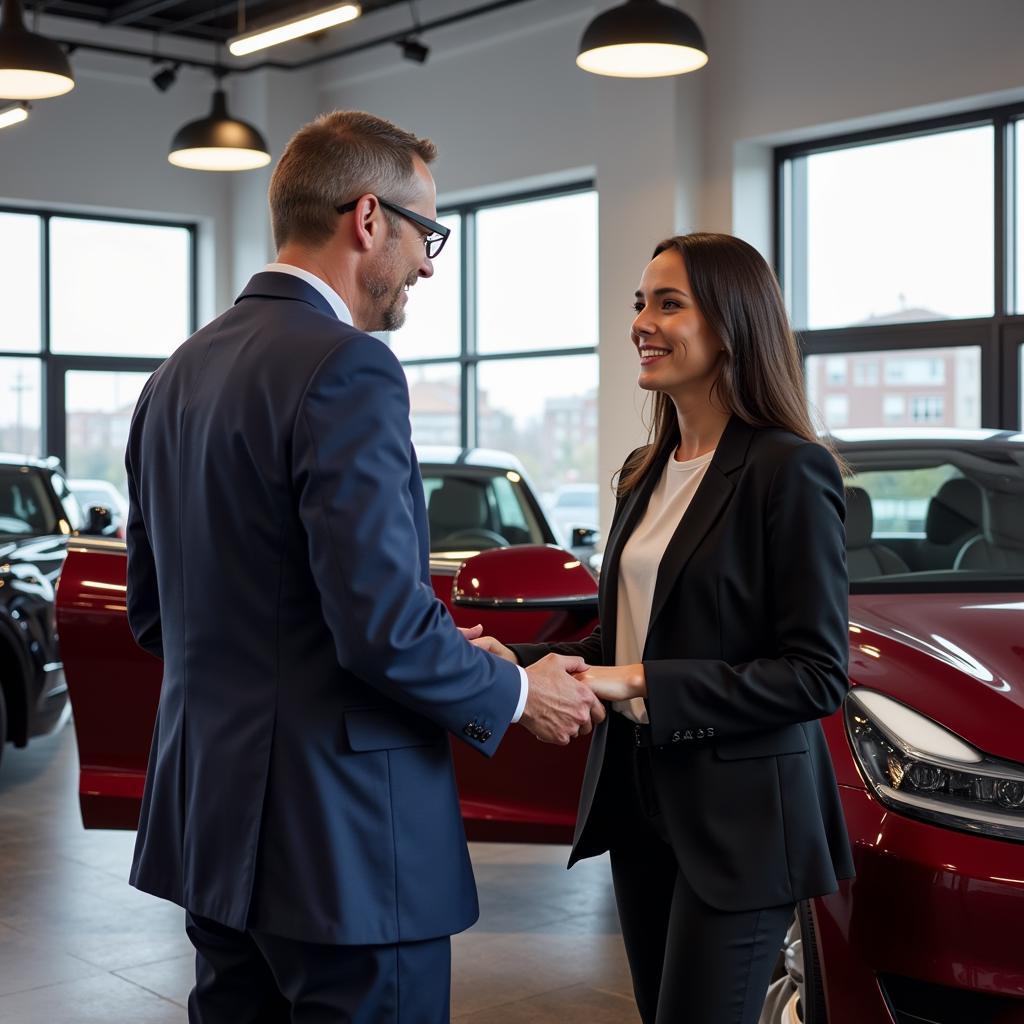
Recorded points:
(564, 700)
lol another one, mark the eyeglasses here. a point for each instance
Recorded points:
(433, 241)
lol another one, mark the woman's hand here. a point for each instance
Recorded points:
(619, 682)
(488, 643)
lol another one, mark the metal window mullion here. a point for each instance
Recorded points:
(50, 416)
(468, 399)
(1002, 215)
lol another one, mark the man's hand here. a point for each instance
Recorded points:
(559, 707)
(471, 632)
(488, 643)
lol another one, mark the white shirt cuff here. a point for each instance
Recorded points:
(523, 694)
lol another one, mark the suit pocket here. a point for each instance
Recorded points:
(379, 729)
(790, 739)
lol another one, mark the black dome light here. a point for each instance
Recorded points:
(642, 39)
(218, 142)
(31, 66)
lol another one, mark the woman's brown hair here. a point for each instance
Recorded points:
(761, 379)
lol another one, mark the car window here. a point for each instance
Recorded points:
(472, 511)
(922, 520)
(72, 505)
(24, 508)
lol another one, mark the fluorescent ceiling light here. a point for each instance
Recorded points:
(13, 115)
(307, 24)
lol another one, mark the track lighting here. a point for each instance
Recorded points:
(13, 115)
(167, 76)
(642, 39)
(294, 28)
(31, 66)
(218, 142)
(414, 50)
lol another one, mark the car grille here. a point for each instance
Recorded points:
(918, 1002)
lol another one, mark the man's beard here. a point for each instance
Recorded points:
(386, 296)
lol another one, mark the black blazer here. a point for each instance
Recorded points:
(746, 649)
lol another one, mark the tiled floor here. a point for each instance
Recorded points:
(79, 945)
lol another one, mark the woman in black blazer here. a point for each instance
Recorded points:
(723, 640)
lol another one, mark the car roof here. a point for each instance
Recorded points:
(856, 438)
(13, 459)
(484, 458)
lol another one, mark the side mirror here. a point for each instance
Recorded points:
(100, 522)
(524, 577)
(584, 537)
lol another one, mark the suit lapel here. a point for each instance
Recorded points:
(710, 499)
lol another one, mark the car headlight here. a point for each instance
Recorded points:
(923, 770)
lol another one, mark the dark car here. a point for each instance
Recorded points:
(38, 512)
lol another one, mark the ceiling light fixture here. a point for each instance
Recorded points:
(642, 39)
(218, 142)
(415, 50)
(13, 115)
(31, 66)
(167, 76)
(285, 31)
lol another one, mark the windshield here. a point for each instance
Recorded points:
(24, 508)
(469, 510)
(931, 519)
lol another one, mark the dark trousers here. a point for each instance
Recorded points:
(691, 963)
(255, 978)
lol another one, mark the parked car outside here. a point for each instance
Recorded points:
(103, 494)
(574, 512)
(38, 513)
(928, 749)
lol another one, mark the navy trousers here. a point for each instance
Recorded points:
(690, 963)
(255, 978)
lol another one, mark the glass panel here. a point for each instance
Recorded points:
(1019, 213)
(899, 231)
(537, 274)
(545, 412)
(99, 412)
(118, 289)
(20, 406)
(938, 387)
(433, 315)
(20, 283)
(435, 400)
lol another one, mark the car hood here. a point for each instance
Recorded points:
(958, 658)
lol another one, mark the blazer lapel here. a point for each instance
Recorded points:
(636, 503)
(711, 497)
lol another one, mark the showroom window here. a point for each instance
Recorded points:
(89, 306)
(500, 346)
(898, 253)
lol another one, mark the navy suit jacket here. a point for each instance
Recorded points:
(300, 778)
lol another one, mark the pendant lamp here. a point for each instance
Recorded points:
(642, 39)
(218, 142)
(31, 66)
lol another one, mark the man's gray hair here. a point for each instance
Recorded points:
(333, 160)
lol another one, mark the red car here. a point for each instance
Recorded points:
(928, 750)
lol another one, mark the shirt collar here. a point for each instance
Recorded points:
(341, 311)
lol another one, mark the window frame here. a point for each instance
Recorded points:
(53, 366)
(998, 337)
(469, 359)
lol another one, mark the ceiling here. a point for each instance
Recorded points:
(210, 20)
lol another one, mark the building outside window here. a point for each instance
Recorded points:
(495, 356)
(88, 309)
(876, 279)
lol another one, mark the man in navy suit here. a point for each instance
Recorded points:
(300, 802)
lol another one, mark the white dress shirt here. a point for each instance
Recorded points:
(640, 561)
(341, 311)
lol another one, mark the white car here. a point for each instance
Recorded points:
(102, 492)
